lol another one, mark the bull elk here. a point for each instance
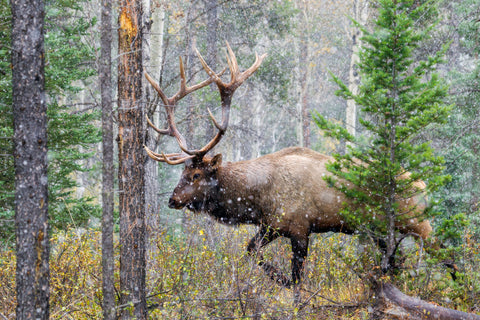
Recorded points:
(284, 193)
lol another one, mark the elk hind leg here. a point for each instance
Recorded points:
(263, 237)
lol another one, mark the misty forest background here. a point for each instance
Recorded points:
(197, 268)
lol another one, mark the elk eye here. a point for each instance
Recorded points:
(196, 176)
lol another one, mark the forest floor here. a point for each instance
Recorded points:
(200, 270)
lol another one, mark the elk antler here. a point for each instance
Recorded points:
(171, 130)
(226, 92)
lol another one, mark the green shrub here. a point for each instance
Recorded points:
(203, 272)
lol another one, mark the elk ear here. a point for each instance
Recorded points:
(216, 161)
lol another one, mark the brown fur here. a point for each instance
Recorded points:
(284, 193)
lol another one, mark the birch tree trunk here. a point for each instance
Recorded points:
(156, 40)
(151, 169)
(30, 153)
(131, 161)
(360, 11)
(151, 166)
(303, 129)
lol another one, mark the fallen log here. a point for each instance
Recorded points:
(416, 307)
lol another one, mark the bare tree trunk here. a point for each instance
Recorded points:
(212, 31)
(156, 39)
(105, 78)
(190, 42)
(156, 53)
(211, 58)
(305, 110)
(360, 8)
(30, 153)
(305, 75)
(131, 161)
(151, 167)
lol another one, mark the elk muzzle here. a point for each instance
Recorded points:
(175, 203)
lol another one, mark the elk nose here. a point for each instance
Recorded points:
(171, 203)
(175, 203)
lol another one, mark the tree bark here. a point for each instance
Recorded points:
(30, 153)
(211, 6)
(105, 78)
(156, 39)
(131, 161)
(212, 34)
(151, 166)
(190, 42)
(360, 11)
(305, 75)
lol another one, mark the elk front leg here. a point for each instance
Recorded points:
(263, 237)
(300, 251)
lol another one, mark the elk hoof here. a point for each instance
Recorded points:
(283, 281)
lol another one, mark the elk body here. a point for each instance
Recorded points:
(284, 193)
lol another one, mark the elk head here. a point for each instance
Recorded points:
(199, 176)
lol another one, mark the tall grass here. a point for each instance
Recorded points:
(201, 271)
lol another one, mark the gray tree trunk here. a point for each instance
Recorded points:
(211, 58)
(30, 152)
(105, 78)
(303, 126)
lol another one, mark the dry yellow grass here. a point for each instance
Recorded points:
(201, 271)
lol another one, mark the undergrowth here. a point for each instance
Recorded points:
(203, 272)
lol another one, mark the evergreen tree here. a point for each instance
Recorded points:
(70, 133)
(461, 196)
(399, 97)
(6, 126)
